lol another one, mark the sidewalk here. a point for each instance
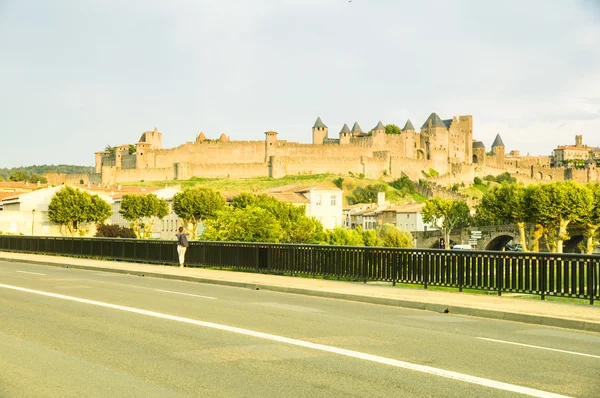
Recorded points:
(570, 316)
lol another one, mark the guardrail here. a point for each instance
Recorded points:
(543, 274)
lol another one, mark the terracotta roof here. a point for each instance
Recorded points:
(8, 195)
(21, 185)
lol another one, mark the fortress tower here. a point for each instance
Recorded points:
(410, 145)
(498, 150)
(319, 131)
(478, 153)
(270, 144)
(434, 138)
(590, 168)
(345, 135)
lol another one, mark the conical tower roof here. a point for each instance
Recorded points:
(356, 128)
(498, 141)
(345, 129)
(408, 126)
(478, 144)
(436, 121)
(379, 126)
(319, 124)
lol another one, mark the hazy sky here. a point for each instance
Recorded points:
(78, 75)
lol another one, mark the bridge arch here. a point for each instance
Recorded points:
(571, 245)
(499, 242)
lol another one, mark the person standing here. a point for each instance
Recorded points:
(182, 245)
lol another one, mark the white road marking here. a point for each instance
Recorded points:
(300, 343)
(186, 294)
(32, 273)
(539, 348)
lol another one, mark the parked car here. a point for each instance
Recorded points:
(462, 247)
(513, 247)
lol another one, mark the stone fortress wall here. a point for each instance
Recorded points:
(446, 146)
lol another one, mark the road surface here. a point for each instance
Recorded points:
(74, 333)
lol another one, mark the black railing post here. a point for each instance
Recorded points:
(542, 273)
(499, 274)
(426, 268)
(591, 267)
(461, 270)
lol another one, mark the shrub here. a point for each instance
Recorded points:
(404, 185)
(489, 177)
(477, 181)
(339, 182)
(505, 177)
(113, 231)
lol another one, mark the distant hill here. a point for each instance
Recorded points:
(5, 173)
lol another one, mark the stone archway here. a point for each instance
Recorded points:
(420, 154)
(539, 175)
(499, 242)
(475, 159)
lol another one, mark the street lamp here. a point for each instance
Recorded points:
(32, 220)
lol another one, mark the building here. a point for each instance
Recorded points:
(26, 213)
(567, 153)
(438, 144)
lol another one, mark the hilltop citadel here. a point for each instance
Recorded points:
(446, 146)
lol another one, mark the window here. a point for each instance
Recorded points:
(333, 200)
(319, 199)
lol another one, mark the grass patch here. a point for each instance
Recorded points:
(260, 184)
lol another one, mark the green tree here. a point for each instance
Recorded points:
(142, 211)
(111, 150)
(404, 184)
(296, 226)
(196, 205)
(249, 224)
(367, 194)
(392, 236)
(555, 205)
(506, 204)
(18, 175)
(392, 129)
(370, 238)
(339, 182)
(344, 237)
(131, 149)
(74, 210)
(591, 222)
(446, 215)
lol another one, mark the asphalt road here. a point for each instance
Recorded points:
(75, 333)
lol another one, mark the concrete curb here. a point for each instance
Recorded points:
(542, 320)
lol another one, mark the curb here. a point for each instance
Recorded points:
(587, 326)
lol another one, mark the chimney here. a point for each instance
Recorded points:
(380, 198)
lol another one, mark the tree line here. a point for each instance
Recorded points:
(249, 218)
(35, 173)
(541, 212)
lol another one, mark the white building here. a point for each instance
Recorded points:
(323, 203)
(26, 213)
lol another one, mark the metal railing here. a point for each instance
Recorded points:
(543, 274)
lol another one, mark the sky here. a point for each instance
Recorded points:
(76, 76)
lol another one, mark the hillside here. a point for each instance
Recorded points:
(259, 184)
(5, 173)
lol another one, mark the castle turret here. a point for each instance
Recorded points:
(590, 167)
(498, 150)
(409, 134)
(154, 138)
(319, 132)
(356, 130)
(345, 135)
(379, 129)
(478, 152)
(270, 144)
(434, 138)
(578, 141)
(99, 156)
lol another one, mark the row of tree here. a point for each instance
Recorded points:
(541, 212)
(35, 173)
(249, 218)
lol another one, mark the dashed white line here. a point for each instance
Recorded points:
(306, 344)
(185, 294)
(32, 273)
(539, 348)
